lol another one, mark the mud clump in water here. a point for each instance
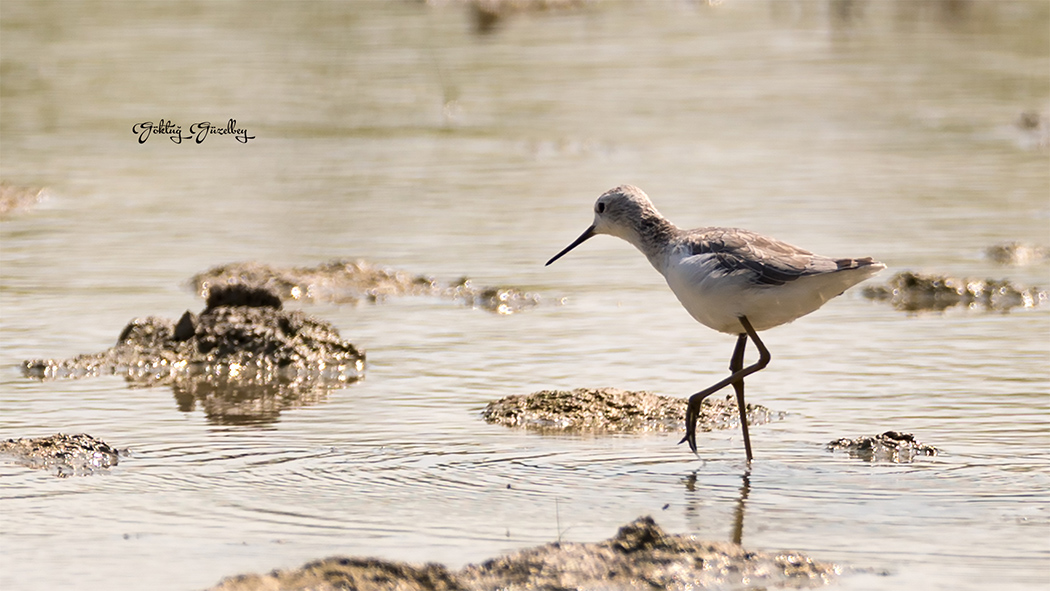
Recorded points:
(915, 292)
(639, 556)
(242, 354)
(610, 410)
(63, 455)
(242, 332)
(358, 281)
(891, 446)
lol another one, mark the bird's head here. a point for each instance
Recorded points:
(618, 212)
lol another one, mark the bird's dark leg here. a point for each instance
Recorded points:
(735, 365)
(693, 413)
(738, 375)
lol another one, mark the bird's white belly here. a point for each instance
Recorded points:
(717, 300)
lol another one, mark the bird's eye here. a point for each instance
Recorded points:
(599, 207)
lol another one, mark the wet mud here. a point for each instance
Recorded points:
(354, 282)
(891, 446)
(916, 292)
(62, 455)
(242, 334)
(15, 199)
(610, 410)
(639, 556)
(243, 359)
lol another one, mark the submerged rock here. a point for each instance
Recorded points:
(610, 410)
(63, 455)
(354, 282)
(914, 292)
(243, 349)
(891, 446)
(639, 556)
(1017, 254)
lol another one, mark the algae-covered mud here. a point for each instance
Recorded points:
(243, 359)
(242, 334)
(62, 455)
(916, 292)
(343, 281)
(891, 446)
(639, 556)
(611, 410)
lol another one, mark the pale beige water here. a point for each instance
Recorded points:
(392, 131)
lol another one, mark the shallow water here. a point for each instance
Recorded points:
(394, 132)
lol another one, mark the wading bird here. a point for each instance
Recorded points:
(731, 280)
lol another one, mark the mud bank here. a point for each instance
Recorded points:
(639, 556)
(610, 410)
(62, 455)
(891, 446)
(353, 282)
(243, 359)
(916, 292)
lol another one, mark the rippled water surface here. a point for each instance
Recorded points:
(399, 133)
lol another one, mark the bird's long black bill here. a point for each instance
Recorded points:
(589, 232)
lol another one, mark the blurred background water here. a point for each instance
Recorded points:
(433, 139)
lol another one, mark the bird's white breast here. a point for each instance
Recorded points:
(717, 298)
(710, 295)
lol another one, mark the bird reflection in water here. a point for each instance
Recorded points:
(737, 533)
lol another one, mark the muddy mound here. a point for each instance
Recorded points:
(639, 556)
(339, 574)
(915, 292)
(642, 556)
(242, 337)
(63, 455)
(891, 446)
(356, 282)
(610, 410)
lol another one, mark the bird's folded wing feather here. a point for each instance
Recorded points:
(764, 260)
